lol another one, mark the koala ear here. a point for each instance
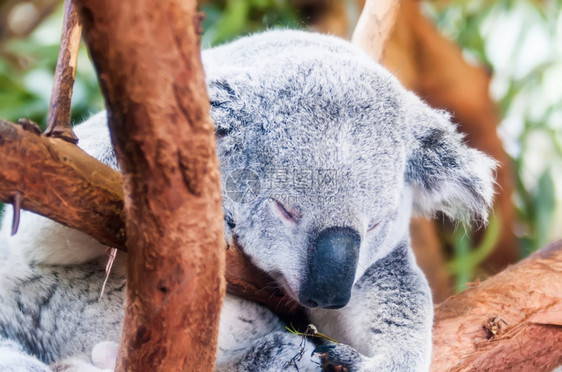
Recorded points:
(447, 175)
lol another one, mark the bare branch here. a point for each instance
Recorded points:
(375, 26)
(58, 120)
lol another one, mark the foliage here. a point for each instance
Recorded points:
(26, 75)
(227, 19)
(466, 259)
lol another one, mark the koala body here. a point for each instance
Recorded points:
(324, 157)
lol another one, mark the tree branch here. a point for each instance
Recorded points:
(58, 120)
(149, 67)
(510, 322)
(58, 180)
(375, 26)
(483, 326)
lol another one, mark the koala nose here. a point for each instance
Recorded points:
(332, 263)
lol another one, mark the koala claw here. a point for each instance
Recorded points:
(339, 358)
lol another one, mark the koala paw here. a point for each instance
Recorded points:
(103, 357)
(340, 358)
(104, 354)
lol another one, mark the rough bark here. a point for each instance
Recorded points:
(510, 322)
(56, 179)
(148, 63)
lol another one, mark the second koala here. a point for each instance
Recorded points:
(333, 157)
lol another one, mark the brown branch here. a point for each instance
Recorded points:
(149, 68)
(510, 322)
(56, 179)
(58, 120)
(247, 281)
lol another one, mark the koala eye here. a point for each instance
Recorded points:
(287, 213)
(372, 226)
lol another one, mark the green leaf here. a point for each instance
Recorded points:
(466, 260)
(545, 202)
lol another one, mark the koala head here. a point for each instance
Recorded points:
(324, 156)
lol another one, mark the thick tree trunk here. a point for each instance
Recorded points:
(148, 62)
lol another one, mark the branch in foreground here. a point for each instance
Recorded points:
(164, 141)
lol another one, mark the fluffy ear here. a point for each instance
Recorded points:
(447, 175)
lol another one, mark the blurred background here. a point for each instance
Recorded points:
(496, 65)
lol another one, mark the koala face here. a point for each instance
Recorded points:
(321, 152)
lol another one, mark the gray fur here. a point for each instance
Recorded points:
(333, 141)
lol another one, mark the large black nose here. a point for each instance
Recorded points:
(332, 263)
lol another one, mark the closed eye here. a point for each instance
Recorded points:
(372, 226)
(287, 213)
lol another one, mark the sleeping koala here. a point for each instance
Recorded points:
(324, 157)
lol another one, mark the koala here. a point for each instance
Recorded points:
(324, 158)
